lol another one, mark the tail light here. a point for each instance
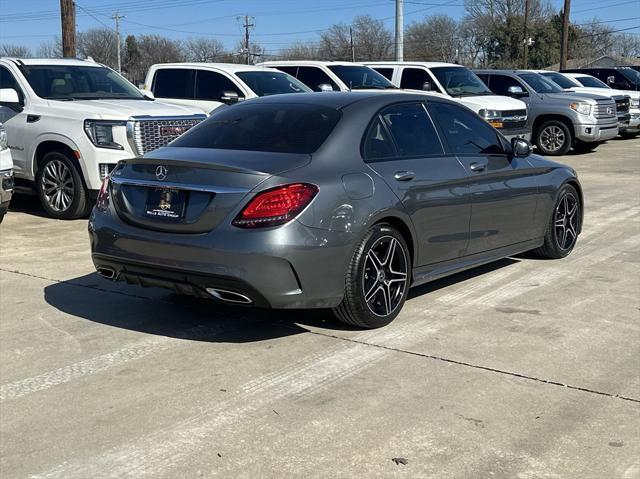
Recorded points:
(276, 206)
(102, 203)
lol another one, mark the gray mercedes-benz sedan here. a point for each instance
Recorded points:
(330, 200)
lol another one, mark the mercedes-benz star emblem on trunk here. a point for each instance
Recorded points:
(161, 172)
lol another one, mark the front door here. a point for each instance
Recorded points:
(503, 190)
(403, 147)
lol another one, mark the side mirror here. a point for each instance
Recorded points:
(611, 80)
(520, 147)
(426, 86)
(516, 91)
(9, 98)
(229, 97)
(325, 87)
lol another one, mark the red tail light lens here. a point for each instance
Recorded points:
(276, 206)
(102, 203)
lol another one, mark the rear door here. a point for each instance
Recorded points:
(503, 189)
(403, 147)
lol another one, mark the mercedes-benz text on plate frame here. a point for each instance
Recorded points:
(340, 200)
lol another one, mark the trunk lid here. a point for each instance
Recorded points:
(191, 190)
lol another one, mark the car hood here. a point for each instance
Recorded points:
(492, 102)
(608, 92)
(121, 109)
(574, 96)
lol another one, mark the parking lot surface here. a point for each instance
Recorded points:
(525, 368)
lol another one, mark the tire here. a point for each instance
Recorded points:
(562, 230)
(60, 187)
(553, 138)
(376, 285)
(582, 147)
(629, 135)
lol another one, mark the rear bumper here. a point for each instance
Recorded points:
(590, 133)
(292, 266)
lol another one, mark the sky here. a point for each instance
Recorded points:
(277, 22)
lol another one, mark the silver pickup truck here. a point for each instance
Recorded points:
(559, 120)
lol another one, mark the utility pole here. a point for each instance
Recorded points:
(353, 49)
(68, 20)
(399, 31)
(117, 18)
(246, 27)
(526, 34)
(564, 46)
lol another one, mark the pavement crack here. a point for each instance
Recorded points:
(481, 367)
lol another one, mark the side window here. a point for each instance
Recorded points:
(466, 132)
(173, 83)
(7, 80)
(415, 78)
(377, 142)
(313, 77)
(412, 130)
(385, 72)
(210, 85)
(500, 84)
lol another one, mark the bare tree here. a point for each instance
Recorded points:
(626, 46)
(592, 41)
(99, 44)
(435, 38)
(158, 49)
(18, 51)
(300, 51)
(203, 50)
(371, 40)
(50, 49)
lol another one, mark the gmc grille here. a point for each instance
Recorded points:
(148, 134)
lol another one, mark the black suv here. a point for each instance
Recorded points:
(620, 78)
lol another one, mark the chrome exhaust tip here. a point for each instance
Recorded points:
(107, 273)
(229, 296)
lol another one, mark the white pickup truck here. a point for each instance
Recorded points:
(69, 122)
(460, 84)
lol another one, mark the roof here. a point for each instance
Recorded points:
(513, 72)
(308, 63)
(338, 99)
(602, 61)
(54, 61)
(419, 64)
(229, 67)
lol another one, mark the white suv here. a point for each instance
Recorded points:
(460, 84)
(333, 76)
(6, 173)
(210, 85)
(69, 122)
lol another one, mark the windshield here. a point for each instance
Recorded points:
(359, 77)
(272, 83)
(71, 82)
(560, 79)
(632, 75)
(459, 81)
(539, 83)
(271, 127)
(592, 82)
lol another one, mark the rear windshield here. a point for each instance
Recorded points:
(272, 83)
(280, 128)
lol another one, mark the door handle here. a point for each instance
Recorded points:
(477, 166)
(404, 175)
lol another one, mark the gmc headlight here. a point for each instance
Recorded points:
(489, 114)
(100, 132)
(635, 103)
(582, 108)
(3, 139)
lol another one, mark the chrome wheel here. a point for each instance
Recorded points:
(566, 221)
(58, 185)
(552, 138)
(385, 276)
